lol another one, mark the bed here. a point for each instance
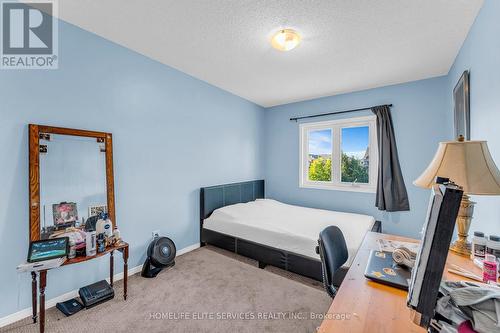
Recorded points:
(238, 218)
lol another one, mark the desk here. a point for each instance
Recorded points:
(374, 307)
(121, 247)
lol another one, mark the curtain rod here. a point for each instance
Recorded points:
(338, 112)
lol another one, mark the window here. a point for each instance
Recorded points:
(320, 155)
(339, 154)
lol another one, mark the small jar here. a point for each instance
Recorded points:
(478, 245)
(116, 234)
(493, 246)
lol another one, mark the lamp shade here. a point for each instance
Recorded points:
(467, 163)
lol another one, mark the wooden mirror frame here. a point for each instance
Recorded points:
(34, 170)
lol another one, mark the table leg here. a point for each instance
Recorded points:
(43, 284)
(111, 268)
(33, 296)
(125, 272)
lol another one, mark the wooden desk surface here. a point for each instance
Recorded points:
(362, 305)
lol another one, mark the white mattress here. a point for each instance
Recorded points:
(292, 228)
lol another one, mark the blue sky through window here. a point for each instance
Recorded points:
(320, 142)
(355, 141)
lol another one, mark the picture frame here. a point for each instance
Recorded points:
(95, 210)
(65, 214)
(461, 102)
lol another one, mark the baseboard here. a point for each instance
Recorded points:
(188, 249)
(16, 316)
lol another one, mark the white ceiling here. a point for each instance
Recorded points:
(347, 45)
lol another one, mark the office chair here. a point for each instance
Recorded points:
(333, 252)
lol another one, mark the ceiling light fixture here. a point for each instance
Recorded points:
(285, 40)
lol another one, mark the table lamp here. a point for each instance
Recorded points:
(468, 164)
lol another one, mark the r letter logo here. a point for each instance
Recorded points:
(29, 35)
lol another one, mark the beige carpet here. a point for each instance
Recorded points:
(216, 291)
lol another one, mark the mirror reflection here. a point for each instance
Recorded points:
(72, 182)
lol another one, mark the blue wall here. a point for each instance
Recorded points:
(172, 134)
(420, 122)
(480, 54)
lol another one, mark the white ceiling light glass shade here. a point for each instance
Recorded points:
(285, 39)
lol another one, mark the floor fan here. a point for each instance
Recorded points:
(161, 254)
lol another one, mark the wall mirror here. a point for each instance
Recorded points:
(71, 178)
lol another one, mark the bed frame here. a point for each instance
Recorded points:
(214, 197)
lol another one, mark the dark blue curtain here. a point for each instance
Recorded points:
(391, 189)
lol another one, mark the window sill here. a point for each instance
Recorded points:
(345, 188)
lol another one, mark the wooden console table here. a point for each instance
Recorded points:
(362, 305)
(121, 247)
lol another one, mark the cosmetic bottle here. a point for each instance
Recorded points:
(90, 243)
(108, 227)
(72, 248)
(101, 245)
(116, 235)
(99, 226)
(490, 269)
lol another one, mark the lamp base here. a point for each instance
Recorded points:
(461, 245)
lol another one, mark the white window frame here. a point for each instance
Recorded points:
(336, 127)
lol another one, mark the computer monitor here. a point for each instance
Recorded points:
(437, 232)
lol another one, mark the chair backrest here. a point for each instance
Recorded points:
(333, 252)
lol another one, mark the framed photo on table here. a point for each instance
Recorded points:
(461, 99)
(65, 214)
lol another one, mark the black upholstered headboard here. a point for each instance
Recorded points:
(218, 196)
